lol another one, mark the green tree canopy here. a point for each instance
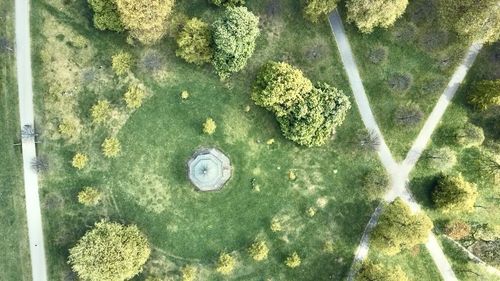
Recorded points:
(398, 228)
(145, 19)
(228, 3)
(194, 42)
(315, 9)
(485, 94)
(110, 251)
(313, 119)
(368, 14)
(106, 15)
(278, 86)
(477, 20)
(234, 36)
(378, 272)
(453, 193)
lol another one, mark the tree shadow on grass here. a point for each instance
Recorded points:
(422, 188)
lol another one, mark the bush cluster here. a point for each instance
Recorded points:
(100, 111)
(111, 147)
(89, 196)
(293, 260)
(258, 251)
(225, 264)
(79, 161)
(134, 96)
(121, 62)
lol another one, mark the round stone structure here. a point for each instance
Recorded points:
(209, 169)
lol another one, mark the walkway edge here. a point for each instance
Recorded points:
(26, 113)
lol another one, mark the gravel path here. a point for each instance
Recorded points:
(25, 90)
(398, 173)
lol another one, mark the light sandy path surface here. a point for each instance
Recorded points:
(25, 89)
(398, 173)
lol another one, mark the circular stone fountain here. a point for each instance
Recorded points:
(209, 169)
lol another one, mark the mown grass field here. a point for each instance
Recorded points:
(424, 178)
(147, 184)
(14, 261)
(415, 47)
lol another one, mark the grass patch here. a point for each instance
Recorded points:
(14, 261)
(147, 183)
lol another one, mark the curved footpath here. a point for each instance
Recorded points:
(398, 173)
(25, 91)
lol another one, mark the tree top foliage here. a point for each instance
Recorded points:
(234, 36)
(454, 193)
(398, 228)
(371, 271)
(368, 14)
(110, 251)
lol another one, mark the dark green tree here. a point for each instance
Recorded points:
(234, 36)
(313, 119)
(228, 3)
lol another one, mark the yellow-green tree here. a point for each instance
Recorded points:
(89, 196)
(209, 126)
(194, 42)
(476, 20)
(470, 135)
(293, 260)
(225, 264)
(134, 96)
(110, 251)
(121, 62)
(106, 15)
(398, 228)
(146, 20)
(314, 10)
(100, 111)
(111, 147)
(455, 194)
(485, 94)
(188, 273)
(368, 14)
(375, 271)
(80, 160)
(258, 250)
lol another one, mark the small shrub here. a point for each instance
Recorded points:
(100, 111)
(188, 273)
(293, 260)
(408, 115)
(121, 63)
(226, 264)
(470, 135)
(291, 175)
(432, 86)
(377, 55)
(258, 251)
(270, 142)
(276, 226)
(400, 82)
(89, 196)
(111, 147)
(209, 126)
(311, 211)
(134, 96)
(457, 229)
(79, 161)
(184, 95)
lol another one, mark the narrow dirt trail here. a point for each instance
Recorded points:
(399, 173)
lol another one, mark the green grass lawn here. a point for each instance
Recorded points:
(147, 184)
(415, 48)
(14, 261)
(423, 178)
